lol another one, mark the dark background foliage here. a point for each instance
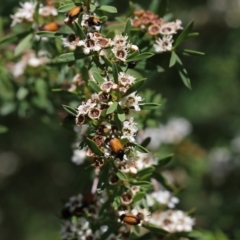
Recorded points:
(35, 156)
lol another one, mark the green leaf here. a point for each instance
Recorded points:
(184, 75)
(128, 27)
(138, 196)
(14, 37)
(149, 106)
(192, 35)
(110, 34)
(94, 86)
(173, 59)
(165, 160)
(47, 34)
(121, 115)
(121, 176)
(70, 110)
(145, 173)
(107, 8)
(107, 61)
(97, 76)
(192, 52)
(103, 179)
(135, 87)
(94, 147)
(3, 129)
(115, 72)
(66, 7)
(140, 56)
(163, 7)
(26, 43)
(112, 108)
(154, 5)
(71, 56)
(146, 141)
(140, 148)
(78, 30)
(154, 229)
(183, 34)
(142, 184)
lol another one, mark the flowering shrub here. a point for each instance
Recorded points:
(123, 192)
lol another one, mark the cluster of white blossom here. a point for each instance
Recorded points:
(26, 12)
(29, 59)
(173, 132)
(156, 26)
(172, 221)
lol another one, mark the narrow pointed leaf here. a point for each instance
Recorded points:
(128, 26)
(94, 86)
(107, 8)
(115, 72)
(121, 115)
(165, 160)
(173, 59)
(94, 147)
(122, 176)
(183, 34)
(150, 106)
(66, 7)
(145, 173)
(192, 52)
(146, 141)
(140, 56)
(97, 76)
(112, 108)
(139, 196)
(140, 148)
(70, 110)
(25, 44)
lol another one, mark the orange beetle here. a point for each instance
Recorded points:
(52, 27)
(130, 219)
(94, 21)
(73, 13)
(117, 148)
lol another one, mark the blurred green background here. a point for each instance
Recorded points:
(36, 171)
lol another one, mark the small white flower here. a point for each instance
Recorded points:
(164, 44)
(145, 160)
(125, 79)
(25, 13)
(71, 41)
(119, 41)
(120, 52)
(46, 11)
(166, 198)
(85, 107)
(132, 100)
(170, 28)
(79, 156)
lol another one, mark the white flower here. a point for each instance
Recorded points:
(85, 107)
(120, 52)
(145, 160)
(25, 13)
(119, 41)
(170, 28)
(68, 230)
(46, 11)
(89, 44)
(79, 156)
(71, 41)
(164, 44)
(172, 221)
(165, 197)
(132, 100)
(125, 79)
